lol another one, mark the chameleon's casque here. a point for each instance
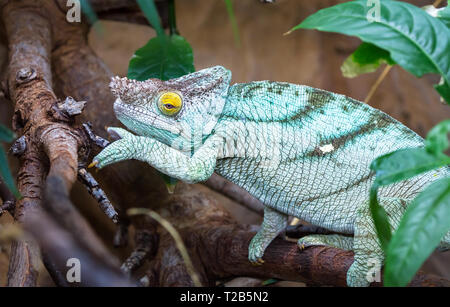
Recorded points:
(302, 151)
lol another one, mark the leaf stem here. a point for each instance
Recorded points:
(172, 19)
(233, 21)
(377, 83)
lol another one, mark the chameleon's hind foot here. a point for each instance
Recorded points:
(255, 252)
(257, 262)
(360, 275)
(274, 222)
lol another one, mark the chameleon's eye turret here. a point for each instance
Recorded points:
(170, 103)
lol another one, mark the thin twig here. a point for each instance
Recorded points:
(175, 235)
(98, 140)
(99, 195)
(377, 83)
(436, 3)
(145, 245)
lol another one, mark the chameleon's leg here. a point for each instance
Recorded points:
(273, 224)
(369, 256)
(334, 240)
(164, 158)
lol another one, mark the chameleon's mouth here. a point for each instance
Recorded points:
(141, 120)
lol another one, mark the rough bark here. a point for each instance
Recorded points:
(52, 142)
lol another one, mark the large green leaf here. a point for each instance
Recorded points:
(403, 164)
(422, 227)
(380, 217)
(162, 59)
(443, 14)
(366, 58)
(415, 40)
(437, 138)
(406, 163)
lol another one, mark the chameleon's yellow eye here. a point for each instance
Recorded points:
(170, 103)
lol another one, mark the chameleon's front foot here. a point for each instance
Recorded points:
(117, 151)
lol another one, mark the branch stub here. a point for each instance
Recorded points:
(25, 74)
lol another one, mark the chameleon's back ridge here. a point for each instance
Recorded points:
(302, 151)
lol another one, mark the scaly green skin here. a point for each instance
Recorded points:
(302, 151)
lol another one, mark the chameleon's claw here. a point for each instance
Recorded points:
(93, 163)
(171, 187)
(302, 246)
(258, 262)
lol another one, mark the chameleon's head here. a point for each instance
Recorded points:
(179, 112)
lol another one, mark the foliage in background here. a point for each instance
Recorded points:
(366, 58)
(419, 41)
(163, 57)
(415, 40)
(8, 136)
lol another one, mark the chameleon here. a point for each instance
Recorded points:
(302, 151)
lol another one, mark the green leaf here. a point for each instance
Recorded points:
(380, 219)
(415, 40)
(87, 9)
(444, 15)
(437, 139)
(6, 173)
(401, 165)
(422, 227)
(162, 59)
(406, 163)
(366, 58)
(151, 13)
(91, 16)
(6, 135)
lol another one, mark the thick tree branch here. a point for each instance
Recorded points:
(52, 143)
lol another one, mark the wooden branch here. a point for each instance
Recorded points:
(49, 161)
(29, 79)
(61, 245)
